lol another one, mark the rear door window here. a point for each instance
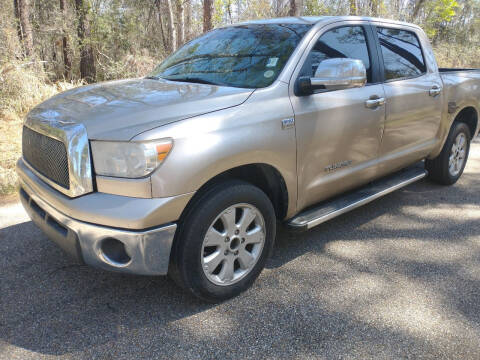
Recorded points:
(402, 53)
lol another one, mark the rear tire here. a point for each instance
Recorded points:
(448, 166)
(223, 241)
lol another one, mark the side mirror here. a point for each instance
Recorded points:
(335, 74)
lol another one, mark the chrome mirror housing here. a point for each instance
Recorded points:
(335, 74)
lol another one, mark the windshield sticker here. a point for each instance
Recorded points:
(268, 73)
(272, 62)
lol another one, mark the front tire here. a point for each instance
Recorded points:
(448, 166)
(223, 242)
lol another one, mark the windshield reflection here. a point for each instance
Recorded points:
(247, 56)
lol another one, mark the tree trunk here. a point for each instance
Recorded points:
(207, 15)
(17, 20)
(374, 7)
(171, 27)
(353, 7)
(283, 8)
(416, 9)
(239, 9)
(229, 11)
(293, 8)
(188, 20)
(396, 4)
(180, 23)
(296, 7)
(67, 62)
(160, 22)
(22, 13)
(87, 60)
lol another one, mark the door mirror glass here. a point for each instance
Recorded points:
(335, 74)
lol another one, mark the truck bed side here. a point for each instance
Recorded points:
(461, 92)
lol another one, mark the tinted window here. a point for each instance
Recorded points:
(402, 53)
(342, 42)
(248, 56)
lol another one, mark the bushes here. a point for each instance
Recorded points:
(130, 66)
(25, 84)
(457, 55)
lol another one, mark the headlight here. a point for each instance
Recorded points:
(129, 159)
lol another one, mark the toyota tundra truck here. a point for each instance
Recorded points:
(188, 171)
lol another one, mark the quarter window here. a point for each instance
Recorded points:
(402, 53)
(343, 42)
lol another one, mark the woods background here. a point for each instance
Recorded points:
(47, 46)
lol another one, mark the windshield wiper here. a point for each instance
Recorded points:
(194, 80)
(152, 77)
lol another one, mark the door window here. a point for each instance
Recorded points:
(402, 53)
(342, 42)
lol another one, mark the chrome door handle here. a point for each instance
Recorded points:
(435, 90)
(373, 103)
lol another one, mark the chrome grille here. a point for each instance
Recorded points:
(46, 155)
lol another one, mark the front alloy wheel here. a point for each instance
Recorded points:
(233, 244)
(223, 241)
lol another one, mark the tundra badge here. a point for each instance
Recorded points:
(338, 165)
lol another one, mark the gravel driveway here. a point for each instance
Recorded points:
(398, 278)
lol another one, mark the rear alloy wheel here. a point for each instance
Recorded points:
(457, 155)
(223, 241)
(448, 166)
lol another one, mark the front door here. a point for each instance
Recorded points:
(338, 136)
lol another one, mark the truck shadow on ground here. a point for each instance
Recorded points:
(399, 256)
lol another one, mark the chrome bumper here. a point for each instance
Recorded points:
(145, 252)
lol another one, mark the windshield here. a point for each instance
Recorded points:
(247, 56)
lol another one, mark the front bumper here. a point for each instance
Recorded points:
(145, 252)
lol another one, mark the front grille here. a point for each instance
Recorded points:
(47, 155)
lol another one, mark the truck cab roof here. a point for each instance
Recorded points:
(312, 20)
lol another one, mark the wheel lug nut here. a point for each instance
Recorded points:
(237, 232)
(226, 252)
(243, 240)
(236, 252)
(227, 239)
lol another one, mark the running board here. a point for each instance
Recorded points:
(352, 200)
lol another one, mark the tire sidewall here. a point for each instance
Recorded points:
(194, 229)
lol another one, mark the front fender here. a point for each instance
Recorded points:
(211, 144)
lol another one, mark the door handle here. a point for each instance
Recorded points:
(435, 90)
(374, 103)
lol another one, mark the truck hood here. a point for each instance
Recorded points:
(119, 110)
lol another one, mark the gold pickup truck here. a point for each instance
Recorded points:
(297, 120)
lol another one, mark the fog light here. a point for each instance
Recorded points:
(114, 252)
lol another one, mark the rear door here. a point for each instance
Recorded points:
(338, 136)
(413, 97)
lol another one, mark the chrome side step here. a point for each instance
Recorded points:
(352, 200)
